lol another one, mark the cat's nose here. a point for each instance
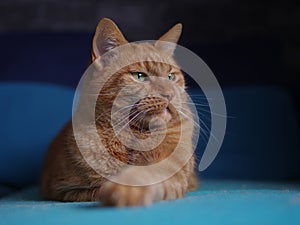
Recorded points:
(168, 95)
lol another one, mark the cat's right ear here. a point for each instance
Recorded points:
(168, 41)
(107, 37)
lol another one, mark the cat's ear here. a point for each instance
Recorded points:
(168, 41)
(107, 37)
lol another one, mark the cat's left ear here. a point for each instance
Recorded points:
(107, 37)
(168, 41)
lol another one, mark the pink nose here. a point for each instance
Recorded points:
(168, 95)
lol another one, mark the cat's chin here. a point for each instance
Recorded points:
(159, 120)
(163, 115)
(154, 121)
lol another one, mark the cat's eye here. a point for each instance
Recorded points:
(139, 76)
(171, 76)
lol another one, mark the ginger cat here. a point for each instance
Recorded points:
(68, 175)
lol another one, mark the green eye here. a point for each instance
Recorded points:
(171, 76)
(139, 76)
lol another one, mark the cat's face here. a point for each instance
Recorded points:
(147, 91)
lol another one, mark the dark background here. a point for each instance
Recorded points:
(225, 33)
(245, 43)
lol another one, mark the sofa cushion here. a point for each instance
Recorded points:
(262, 134)
(30, 116)
(261, 140)
(215, 202)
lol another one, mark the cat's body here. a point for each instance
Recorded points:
(68, 176)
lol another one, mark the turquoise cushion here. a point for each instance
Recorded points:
(216, 202)
(30, 116)
(262, 137)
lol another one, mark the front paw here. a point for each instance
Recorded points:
(113, 194)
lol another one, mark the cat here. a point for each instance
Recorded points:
(67, 174)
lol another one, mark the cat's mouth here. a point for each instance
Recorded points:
(152, 120)
(159, 113)
(155, 115)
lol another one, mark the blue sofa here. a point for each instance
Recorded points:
(253, 180)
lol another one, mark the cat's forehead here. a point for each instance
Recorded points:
(151, 68)
(146, 51)
(140, 57)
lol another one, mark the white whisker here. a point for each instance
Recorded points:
(205, 126)
(119, 131)
(193, 103)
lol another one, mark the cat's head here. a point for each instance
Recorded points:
(144, 82)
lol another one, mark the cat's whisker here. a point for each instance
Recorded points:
(200, 103)
(203, 95)
(102, 114)
(208, 130)
(202, 115)
(187, 117)
(122, 120)
(199, 97)
(181, 107)
(138, 120)
(141, 126)
(126, 107)
(205, 116)
(205, 129)
(205, 126)
(208, 111)
(123, 127)
(202, 122)
(193, 103)
(127, 123)
(119, 122)
(216, 114)
(206, 134)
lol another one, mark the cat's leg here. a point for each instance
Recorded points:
(193, 182)
(75, 195)
(124, 195)
(113, 194)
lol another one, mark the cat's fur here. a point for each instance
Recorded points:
(68, 177)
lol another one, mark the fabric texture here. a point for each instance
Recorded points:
(31, 114)
(215, 202)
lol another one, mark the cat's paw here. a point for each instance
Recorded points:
(113, 194)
